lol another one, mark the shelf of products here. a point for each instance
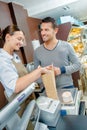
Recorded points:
(78, 39)
(75, 38)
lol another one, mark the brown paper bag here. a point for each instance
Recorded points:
(50, 84)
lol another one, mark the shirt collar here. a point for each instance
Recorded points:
(6, 54)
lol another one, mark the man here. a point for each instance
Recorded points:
(56, 52)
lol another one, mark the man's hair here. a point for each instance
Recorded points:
(51, 20)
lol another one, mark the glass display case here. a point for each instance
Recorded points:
(84, 39)
(75, 38)
(78, 39)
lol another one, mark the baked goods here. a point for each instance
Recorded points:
(67, 97)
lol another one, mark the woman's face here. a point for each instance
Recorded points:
(16, 40)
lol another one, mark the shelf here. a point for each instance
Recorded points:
(75, 39)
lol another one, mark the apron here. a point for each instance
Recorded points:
(21, 70)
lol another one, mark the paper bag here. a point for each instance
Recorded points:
(50, 84)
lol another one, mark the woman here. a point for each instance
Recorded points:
(10, 76)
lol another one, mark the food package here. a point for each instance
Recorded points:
(50, 84)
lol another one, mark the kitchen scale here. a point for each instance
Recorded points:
(49, 110)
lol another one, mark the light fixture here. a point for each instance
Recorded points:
(66, 8)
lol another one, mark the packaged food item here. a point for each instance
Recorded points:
(67, 97)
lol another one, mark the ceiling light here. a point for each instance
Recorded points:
(66, 7)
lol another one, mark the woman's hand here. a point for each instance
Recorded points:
(46, 69)
(56, 70)
(43, 70)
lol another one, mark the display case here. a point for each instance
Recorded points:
(84, 39)
(75, 37)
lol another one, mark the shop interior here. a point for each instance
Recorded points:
(72, 23)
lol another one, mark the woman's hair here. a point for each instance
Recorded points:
(9, 30)
(49, 20)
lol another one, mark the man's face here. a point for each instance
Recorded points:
(47, 32)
